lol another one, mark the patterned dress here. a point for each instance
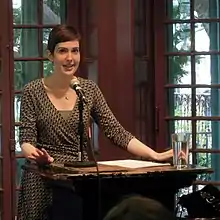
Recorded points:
(42, 125)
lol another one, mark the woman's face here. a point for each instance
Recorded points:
(66, 57)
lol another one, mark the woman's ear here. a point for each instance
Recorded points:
(49, 55)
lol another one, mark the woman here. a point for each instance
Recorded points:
(50, 119)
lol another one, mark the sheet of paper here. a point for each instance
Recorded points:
(132, 163)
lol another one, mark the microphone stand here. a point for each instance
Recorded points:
(81, 129)
(89, 149)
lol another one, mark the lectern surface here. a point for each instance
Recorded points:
(78, 192)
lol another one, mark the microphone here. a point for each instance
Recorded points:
(75, 85)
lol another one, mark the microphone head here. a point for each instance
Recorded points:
(74, 81)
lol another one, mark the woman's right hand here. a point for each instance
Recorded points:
(41, 156)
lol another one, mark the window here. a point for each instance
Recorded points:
(32, 22)
(192, 81)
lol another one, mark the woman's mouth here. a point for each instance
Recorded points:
(68, 67)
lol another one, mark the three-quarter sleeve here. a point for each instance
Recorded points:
(27, 129)
(106, 120)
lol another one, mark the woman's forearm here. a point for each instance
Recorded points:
(27, 149)
(137, 148)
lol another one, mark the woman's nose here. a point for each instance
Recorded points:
(69, 56)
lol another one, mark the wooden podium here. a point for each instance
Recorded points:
(79, 194)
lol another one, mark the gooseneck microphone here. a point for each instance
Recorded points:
(75, 85)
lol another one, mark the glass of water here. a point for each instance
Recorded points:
(180, 145)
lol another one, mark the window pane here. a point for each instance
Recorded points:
(180, 102)
(205, 159)
(207, 102)
(179, 37)
(207, 137)
(54, 11)
(25, 11)
(207, 69)
(204, 134)
(207, 36)
(179, 70)
(17, 144)
(178, 126)
(26, 43)
(19, 163)
(25, 71)
(48, 68)
(206, 9)
(178, 9)
(17, 104)
(46, 32)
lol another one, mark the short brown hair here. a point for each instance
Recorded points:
(61, 33)
(139, 208)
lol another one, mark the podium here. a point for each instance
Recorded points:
(79, 194)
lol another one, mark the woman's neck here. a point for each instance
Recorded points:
(57, 81)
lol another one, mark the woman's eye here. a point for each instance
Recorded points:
(75, 50)
(62, 51)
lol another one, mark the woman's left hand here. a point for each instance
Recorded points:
(165, 156)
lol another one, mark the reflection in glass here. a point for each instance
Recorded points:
(180, 102)
(179, 69)
(25, 71)
(179, 37)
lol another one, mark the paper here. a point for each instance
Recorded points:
(132, 163)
